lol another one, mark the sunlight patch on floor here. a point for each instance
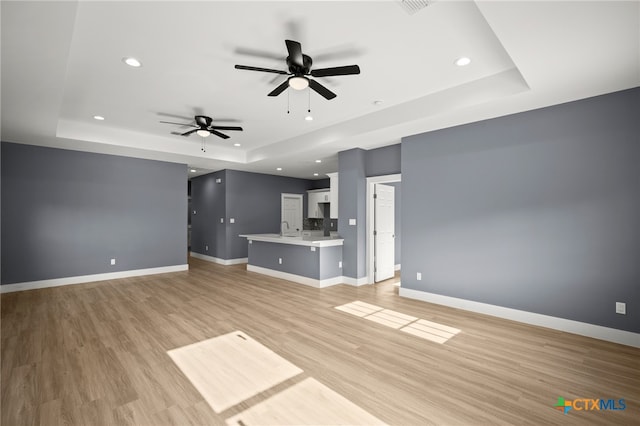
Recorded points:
(424, 329)
(231, 368)
(390, 318)
(306, 403)
(359, 309)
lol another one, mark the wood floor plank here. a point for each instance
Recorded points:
(96, 354)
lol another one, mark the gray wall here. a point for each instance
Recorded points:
(251, 199)
(351, 205)
(538, 211)
(354, 166)
(299, 260)
(383, 161)
(67, 213)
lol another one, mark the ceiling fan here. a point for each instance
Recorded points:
(299, 68)
(204, 128)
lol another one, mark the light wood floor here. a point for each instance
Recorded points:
(97, 354)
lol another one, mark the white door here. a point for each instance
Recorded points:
(291, 217)
(384, 232)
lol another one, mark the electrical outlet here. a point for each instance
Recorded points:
(340, 264)
(222, 220)
(332, 224)
(206, 248)
(194, 212)
(280, 260)
(621, 308)
(232, 220)
(419, 276)
(313, 248)
(113, 261)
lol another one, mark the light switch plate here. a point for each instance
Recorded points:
(352, 221)
(222, 220)
(621, 308)
(313, 248)
(232, 220)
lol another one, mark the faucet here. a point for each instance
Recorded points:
(284, 222)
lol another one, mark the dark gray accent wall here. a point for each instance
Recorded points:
(67, 213)
(208, 205)
(251, 199)
(538, 211)
(319, 184)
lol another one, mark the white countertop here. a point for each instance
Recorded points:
(316, 241)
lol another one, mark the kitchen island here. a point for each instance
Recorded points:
(311, 260)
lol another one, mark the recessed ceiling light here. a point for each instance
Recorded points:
(315, 174)
(318, 161)
(236, 144)
(193, 170)
(98, 117)
(308, 118)
(132, 62)
(462, 61)
(279, 169)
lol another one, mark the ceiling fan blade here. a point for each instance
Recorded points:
(246, 67)
(222, 135)
(279, 89)
(226, 128)
(258, 53)
(179, 124)
(328, 72)
(322, 91)
(295, 52)
(189, 132)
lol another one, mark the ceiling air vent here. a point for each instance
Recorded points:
(413, 6)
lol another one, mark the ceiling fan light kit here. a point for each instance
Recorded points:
(298, 83)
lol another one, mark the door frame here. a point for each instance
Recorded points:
(371, 181)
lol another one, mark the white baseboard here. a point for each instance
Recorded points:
(584, 329)
(355, 281)
(32, 285)
(219, 261)
(397, 267)
(296, 278)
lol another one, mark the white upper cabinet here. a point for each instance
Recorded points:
(315, 198)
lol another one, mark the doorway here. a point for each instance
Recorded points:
(383, 232)
(385, 249)
(291, 214)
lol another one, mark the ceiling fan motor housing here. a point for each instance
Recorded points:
(298, 70)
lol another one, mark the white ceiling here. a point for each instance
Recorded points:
(62, 64)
